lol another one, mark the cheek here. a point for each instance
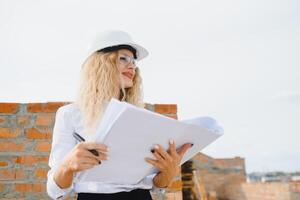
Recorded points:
(120, 66)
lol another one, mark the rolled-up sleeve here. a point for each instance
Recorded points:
(148, 180)
(62, 144)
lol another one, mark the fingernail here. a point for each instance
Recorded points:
(171, 141)
(156, 147)
(152, 150)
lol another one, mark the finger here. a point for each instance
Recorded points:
(163, 153)
(94, 145)
(102, 156)
(158, 156)
(155, 163)
(88, 160)
(94, 152)
(183, 149)
(172, 148)
(87, 153)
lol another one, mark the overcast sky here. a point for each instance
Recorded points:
(237, 61)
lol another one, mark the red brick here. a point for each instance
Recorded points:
(11, 174)
(22, 187)
(2, 119)
(9, 132)
(7, 160)
(11, 146)
(51, 107)
(41, 173)
(23, 120)
(3, 164)
(165, 108)
(33, 133)
(44, 120)
(30, 160)
(27, 187)
(9, 107)
(34, 107)
(38, 187)
(43, 146)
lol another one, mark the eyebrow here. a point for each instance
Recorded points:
(121, 54)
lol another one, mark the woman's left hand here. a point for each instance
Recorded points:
(168, 162)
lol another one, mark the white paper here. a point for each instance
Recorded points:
(131, 132)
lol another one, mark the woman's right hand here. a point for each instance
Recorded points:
(80, 158)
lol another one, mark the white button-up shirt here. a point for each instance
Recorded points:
(67, 121)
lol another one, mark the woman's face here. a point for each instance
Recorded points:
(126, 65)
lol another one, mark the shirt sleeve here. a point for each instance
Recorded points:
(62, 144)
(148, 180)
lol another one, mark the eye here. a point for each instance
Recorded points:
(123, 58)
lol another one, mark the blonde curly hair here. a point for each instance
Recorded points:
(99, 82)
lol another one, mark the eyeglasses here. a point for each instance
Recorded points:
(127, 60)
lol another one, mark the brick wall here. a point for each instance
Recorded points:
(214, 175)
(264, 191)
(25, 143)
(217, 174)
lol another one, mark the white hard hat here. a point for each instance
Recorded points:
(114, 40)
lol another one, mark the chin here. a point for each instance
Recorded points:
(127, 83)
(128, 86)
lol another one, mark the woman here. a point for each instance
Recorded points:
(110, 71)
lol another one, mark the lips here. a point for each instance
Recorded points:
(128, 75)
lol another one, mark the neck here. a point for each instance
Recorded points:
(121, 95)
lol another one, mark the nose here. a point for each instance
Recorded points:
(131, 65)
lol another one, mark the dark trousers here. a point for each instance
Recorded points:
(138, 194)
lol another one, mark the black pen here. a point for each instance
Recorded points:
(81, 139)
